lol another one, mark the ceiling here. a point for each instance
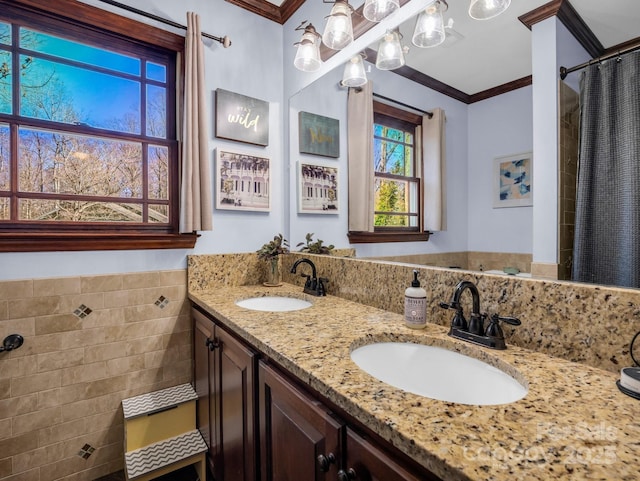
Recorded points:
(482, 55)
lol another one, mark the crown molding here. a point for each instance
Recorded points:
(570, 19)
(268, 10)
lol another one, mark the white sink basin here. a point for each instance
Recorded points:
(273, 304)
(438, 373)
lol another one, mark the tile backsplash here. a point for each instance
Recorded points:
(89, 342)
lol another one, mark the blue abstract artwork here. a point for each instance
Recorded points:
(513, 181)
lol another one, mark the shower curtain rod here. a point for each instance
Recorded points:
(429, 114)
(223, 40)
(565, 71)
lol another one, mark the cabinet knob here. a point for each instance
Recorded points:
(211, 343)
(347, 475)
(325, 462)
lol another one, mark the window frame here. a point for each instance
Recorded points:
(401, 118)
(91, 25)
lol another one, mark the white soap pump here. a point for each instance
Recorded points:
(415, 304)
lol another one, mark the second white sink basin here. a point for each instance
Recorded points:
(438, 373)
(273, 304)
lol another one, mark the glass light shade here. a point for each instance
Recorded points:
(338, 33)
(429, 30)
(376, 10)
(486, 9)
(308, 53)
(390, 54)
(354, 74)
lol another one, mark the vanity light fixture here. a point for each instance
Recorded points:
(390, 51)
(338, 33)
(486, 9)
(429, 29)
(376, 10)
(308, 53)
(354, 73)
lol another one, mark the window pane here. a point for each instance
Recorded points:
(5, 83)
(159, 214)
(158, 172)
(4, 208)
(390, 196)
(394, 201)
(67, 49)
(5, 33)
(4, 157)
(59, 163)
(156, 72)
(53, 91)
(389, 157)
(156, 111)
(79, 211)
(392, 134)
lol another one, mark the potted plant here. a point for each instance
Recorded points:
(316, 247)
(270, 252)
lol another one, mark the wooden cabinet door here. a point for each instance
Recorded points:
(364, 461)
(299, 437)
(203, 367)
(235, 458)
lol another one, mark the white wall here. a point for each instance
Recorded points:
(251, 66)
(552, 47)
(498, 127)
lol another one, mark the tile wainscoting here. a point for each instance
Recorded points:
(89, 343)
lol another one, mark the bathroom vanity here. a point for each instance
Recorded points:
(309, 411)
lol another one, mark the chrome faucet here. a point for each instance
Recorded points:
(314, 285)
(474, 331)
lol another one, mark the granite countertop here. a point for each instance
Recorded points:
(573, 424)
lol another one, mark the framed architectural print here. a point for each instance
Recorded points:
(512, 180)
(317, 189)
(243, 181)
(319, 135)
(242, 118)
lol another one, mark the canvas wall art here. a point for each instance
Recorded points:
(242, 118)
(512, 180)
(317, 189)
(319, 135)
(243, 181)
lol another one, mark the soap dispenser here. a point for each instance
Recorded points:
(415, 304)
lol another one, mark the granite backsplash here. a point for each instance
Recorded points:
(583, 323)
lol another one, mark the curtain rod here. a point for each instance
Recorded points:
(429, 114)
(565, 71)
(223, 40)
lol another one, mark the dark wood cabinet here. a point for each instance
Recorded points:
(365, 461)
(299, 438)
(262, 425)
(225, 381)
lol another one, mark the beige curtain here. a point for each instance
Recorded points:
(196, 210)
(360, 147)
(433, 170)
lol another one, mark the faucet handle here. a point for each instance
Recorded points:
(458, 320)
(321, 286)
(494, 329)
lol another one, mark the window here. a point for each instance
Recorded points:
(397, 184)
(88, 144)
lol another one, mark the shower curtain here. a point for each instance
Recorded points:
(607, 240)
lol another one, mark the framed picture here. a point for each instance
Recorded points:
(319, 135)
(242, 118)
(317, 189)
(243, 181)
(512, 180)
